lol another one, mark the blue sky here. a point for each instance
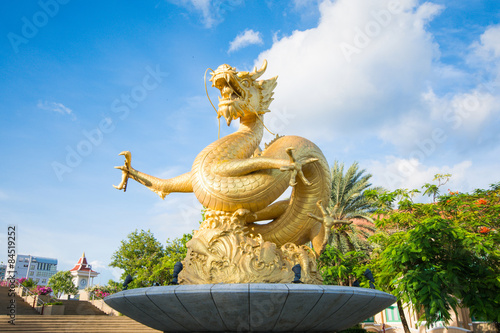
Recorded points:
(406, 88)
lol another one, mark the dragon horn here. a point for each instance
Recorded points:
(257, 73)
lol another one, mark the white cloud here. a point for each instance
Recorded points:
(364, 64)
(105, 272)
(204, 7)
(116, 273)
(244, 39)
(54, 107)
(98, 265)
(212, 11)
(394, 172)
(489, 47)
(372, 70)
(485, 55)
(458, 117)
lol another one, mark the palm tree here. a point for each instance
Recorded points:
(348, 202)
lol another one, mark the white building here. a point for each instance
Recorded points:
(39, 269)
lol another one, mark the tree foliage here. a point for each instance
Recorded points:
(113, 287)
(62, 282)
(348, 202)
(442, 255)
(102, 291)
(175, 251)
(143, 257)
(138, 255)
(339, 268)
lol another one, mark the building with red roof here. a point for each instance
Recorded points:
(83, 275)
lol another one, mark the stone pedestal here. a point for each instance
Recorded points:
(223, 251)
(250, 307)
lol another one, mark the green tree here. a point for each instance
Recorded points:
(28, 283)
(175, 251)
(442, 255)
(147, 260)
(113, 287)
(349, 202)
(138, 256)
(339, 268)
(62, 282)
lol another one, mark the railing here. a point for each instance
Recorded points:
(99, 303)
(37, 303)
(93, 296)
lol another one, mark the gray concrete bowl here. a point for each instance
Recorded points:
(254, 307)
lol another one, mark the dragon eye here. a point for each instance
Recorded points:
(245, 83)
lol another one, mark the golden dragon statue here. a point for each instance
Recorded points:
(239, 184)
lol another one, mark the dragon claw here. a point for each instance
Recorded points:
(128, 157)
(328, 221)
(296, 168)
(125, 171)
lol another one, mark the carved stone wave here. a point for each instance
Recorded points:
(223, 251)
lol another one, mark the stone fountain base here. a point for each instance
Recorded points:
(254, 307)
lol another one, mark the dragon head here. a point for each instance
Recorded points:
(241, 93)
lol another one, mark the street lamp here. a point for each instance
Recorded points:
(90, 270)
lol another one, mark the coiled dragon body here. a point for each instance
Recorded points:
(232, 175)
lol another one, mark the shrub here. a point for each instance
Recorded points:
(41, 290)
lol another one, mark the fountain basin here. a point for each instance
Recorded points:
(255, 307)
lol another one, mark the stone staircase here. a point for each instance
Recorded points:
(22, 308)
(74, 324)
(79, 317)
(80, 308)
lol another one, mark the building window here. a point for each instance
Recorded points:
(392, 314)
(31, 273)
(44, 280)
(32, 266)
(37, 280)
(369, 320)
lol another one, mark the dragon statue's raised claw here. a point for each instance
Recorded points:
(125, 171)
(296, 168)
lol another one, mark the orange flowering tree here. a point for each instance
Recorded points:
(442, 255)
